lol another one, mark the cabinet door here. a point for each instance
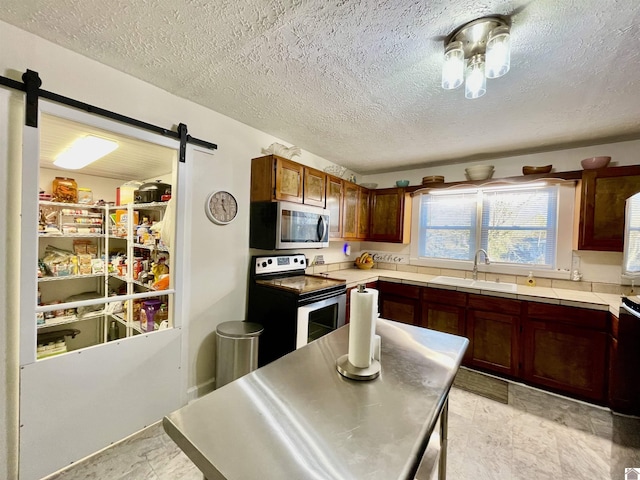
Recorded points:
(443, 318)
(400, 302)
(334, 191)
(363, 213)
(493, 341)
(565, 357)
(400, 309)
(350, 211)
(602, 207)
(314, 187)
(288, 180)
(444, 310)
(388, 221)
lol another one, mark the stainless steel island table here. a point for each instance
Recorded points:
(298, 418)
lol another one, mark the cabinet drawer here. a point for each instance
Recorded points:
(583, 317)
(400, 289)
(447, 297)
(494, 304)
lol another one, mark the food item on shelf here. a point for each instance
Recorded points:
(122, 218)
(126, 191)
(59, 262)
(162, 282)
(65, 190)
(97, 266)
(85, 195)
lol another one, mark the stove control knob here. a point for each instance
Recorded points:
(269, 261)
(264, 264)
(295, 260)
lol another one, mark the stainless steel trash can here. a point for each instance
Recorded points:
(237, 350)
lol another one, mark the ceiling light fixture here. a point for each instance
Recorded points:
(474, 52)
(84, 151)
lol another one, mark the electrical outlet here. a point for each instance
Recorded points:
(318, 260)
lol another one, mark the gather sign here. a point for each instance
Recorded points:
(389, 257)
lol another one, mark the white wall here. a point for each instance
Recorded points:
(217, 272)
(621, 153)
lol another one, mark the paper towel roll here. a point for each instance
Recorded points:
(364, 310)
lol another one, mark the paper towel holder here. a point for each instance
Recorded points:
(346, 369)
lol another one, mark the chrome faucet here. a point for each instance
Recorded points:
(475, 262)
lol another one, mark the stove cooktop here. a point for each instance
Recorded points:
(301, 283)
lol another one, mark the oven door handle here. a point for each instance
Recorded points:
(321, 228)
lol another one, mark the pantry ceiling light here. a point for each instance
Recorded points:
(84, 151)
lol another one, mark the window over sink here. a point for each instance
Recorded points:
(523, 227)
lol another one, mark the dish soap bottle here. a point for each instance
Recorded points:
(530, 280)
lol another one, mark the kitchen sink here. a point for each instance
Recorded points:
(479, 284)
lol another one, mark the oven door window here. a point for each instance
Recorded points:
(319, 318)
(322, 321)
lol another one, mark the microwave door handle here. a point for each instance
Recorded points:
(321, 228)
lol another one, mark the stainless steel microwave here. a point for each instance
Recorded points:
(286, 225)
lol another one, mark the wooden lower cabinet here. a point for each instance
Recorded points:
(444, 310)
(399, 302)
(566, 358)
(493, 341)
(568, 350)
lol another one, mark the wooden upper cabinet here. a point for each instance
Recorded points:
(334, 194)
(602, 207)
(363, 213)
(277, 178)
(314, 187)
(350, 211)
(390, 215)
(288, 181)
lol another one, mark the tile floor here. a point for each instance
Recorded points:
(536, 436)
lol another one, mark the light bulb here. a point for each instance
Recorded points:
(475, 84)
(453, 66)
(498, 52)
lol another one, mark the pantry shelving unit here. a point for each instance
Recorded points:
(74, 227)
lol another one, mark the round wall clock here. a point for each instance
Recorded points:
(221, 207)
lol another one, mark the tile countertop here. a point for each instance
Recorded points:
(556, 296)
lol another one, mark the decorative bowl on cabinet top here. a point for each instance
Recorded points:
(479, 172)
(595, 162)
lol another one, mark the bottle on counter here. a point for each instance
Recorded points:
(531, 282)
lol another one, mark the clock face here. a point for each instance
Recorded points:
(221, 207)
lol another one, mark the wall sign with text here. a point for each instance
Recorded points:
(388, 257)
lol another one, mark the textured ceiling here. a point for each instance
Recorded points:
(358, 81)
